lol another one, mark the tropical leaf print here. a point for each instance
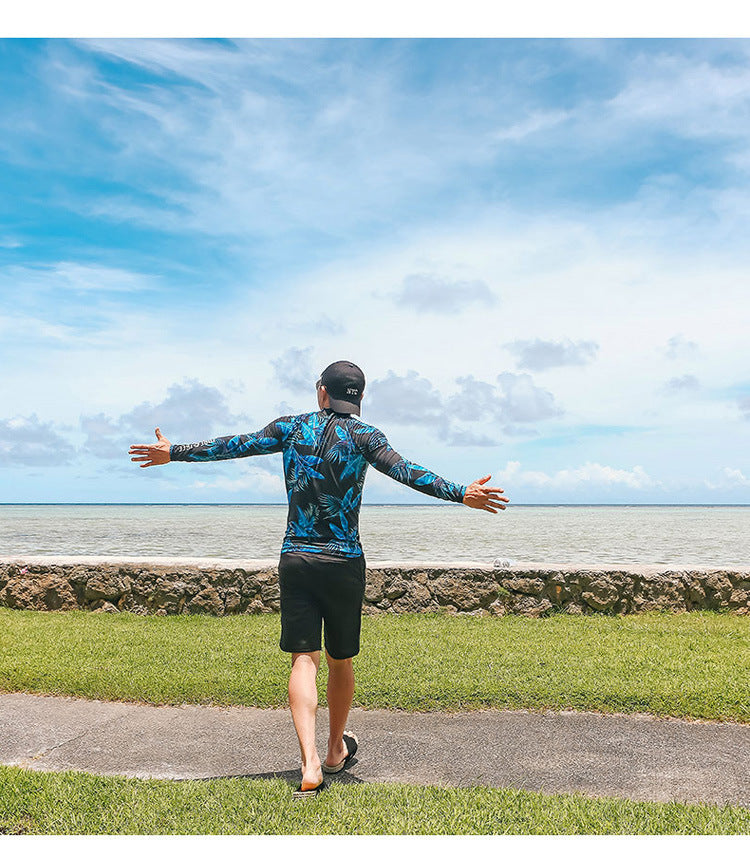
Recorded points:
(302, 468)
(308, 434)
(342, 449)
(336, 505)
(401, 471)
(340, 533)
(256, 445)
(354, 468)
(304, 522)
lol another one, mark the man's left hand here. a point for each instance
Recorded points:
(484, 498)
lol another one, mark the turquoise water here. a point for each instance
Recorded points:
(593, 534)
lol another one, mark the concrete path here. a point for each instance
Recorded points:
(639, 757)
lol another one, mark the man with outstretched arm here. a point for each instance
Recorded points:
(322, 566)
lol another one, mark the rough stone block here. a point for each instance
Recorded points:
(105, 606)
(524, 585)
(573, 609)
(207, 601)
(104, 586)
(601, 595)
(739, 598)
(395, 588)
(374, 586)
(232, 601)
(38, 590)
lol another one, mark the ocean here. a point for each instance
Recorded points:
(591, 534)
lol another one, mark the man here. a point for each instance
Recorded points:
(322, 566)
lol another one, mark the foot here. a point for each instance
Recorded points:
(306, 793)
(336, 754)
(312, 776)
(340, 753)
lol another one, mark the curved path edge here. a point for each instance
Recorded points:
(640, 757)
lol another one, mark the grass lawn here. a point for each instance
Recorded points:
(695, 664)
(80, 803)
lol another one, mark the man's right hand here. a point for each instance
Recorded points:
(151, 455)
(484, 498)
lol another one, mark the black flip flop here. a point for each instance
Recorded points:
(352, 744)
(299, 794)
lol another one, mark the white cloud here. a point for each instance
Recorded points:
(190, 412)
(693, 98)
(680, 384)
(543, 354)
(258, 481)
(679, 347)
(515, 399)
(734, 476)
(588, 475)
(293, 369)
(409, 399)
(536, 121)
(521, 400)
(728, 479)
(29, 328)
(435, 294)
(413, 400)
(471, 439)
(77, 277)
(27, 441)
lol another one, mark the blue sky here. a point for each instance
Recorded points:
(535, 249)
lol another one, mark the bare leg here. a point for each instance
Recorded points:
(340, 693)
(303, 700)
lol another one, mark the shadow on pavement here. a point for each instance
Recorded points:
(293, 777)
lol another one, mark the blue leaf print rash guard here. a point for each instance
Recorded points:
(326, 455)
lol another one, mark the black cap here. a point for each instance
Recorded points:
(344, 383)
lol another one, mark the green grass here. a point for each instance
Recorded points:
(80, 803)
(695, 664)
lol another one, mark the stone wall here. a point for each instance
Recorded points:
(162, 586)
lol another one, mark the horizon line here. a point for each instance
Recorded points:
(385, 504)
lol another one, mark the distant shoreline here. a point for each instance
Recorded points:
(364, 505)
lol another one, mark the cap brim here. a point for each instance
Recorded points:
(344, 406)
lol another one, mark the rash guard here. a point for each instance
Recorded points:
(326, 455)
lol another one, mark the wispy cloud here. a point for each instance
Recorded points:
(492, 408)
(588, 475)
(27, 441)
(410, 399)
(434, 294)
(679, 346)
(543, 355)
(728, 479)
(681, 384)
(535, 122)
(253, 478)
(190, 412)
(81, 278)
(293, 369)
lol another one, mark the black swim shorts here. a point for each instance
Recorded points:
(321, 589)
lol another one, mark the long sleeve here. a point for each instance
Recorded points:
(379, 454)
(269, 440)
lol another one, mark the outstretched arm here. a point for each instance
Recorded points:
(266, 441)
(379, 453)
